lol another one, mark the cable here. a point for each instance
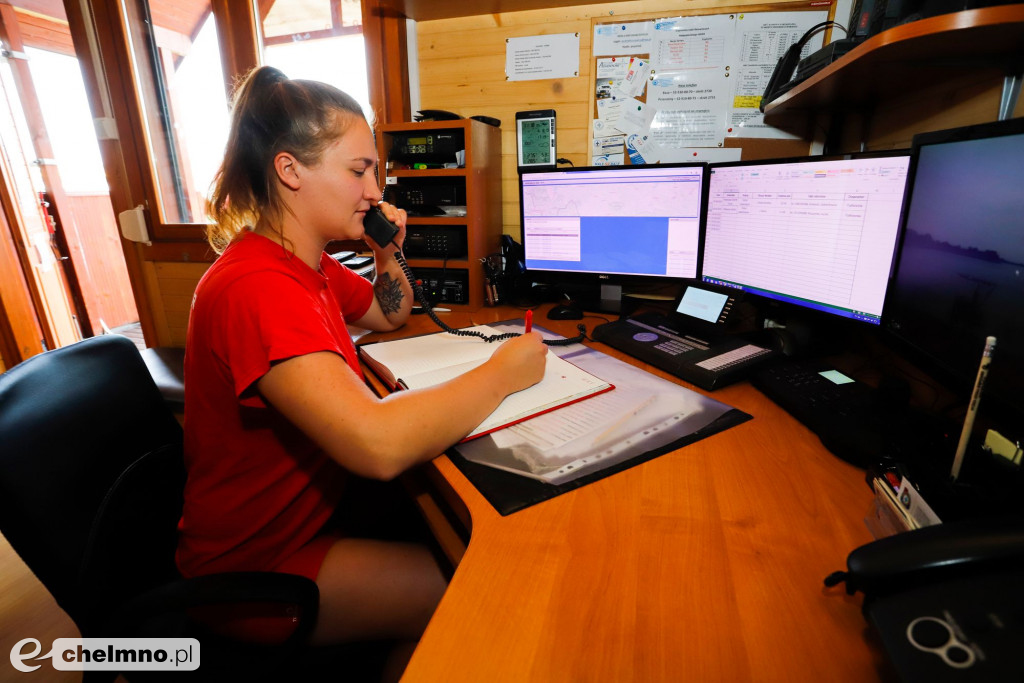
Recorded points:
(417, 289)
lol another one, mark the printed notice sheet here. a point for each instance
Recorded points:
(536, 57)
(762, 39)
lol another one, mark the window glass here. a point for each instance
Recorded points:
(290, 19)
(183, 94)
(319, 40)
(65, 110)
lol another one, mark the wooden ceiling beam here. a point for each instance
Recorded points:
(44, 33)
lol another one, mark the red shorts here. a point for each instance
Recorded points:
(268, 623)
(306, 561)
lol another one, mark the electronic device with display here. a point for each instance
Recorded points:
(591, 230)
(810, 234)
(810, 242)
(429, 196)
(435, 241)
(429, 147)
(960, 274)
(535, 139)
(692, 342)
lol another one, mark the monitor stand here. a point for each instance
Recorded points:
(611, 298)
(599, 298)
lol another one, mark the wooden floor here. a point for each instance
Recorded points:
(27, 610)
(134, 332)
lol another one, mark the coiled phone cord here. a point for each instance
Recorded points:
(422, 298)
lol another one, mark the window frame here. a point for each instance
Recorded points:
(102, 43)
(241, 49)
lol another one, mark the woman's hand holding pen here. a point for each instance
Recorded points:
(521, 361)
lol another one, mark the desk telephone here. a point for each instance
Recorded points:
(947, 600)
(382, 231)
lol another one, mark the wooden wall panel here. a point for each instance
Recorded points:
(175, 283)
(959, 103)
(462, 69)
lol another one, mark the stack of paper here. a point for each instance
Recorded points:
(419, 362)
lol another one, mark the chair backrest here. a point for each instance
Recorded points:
(91, 475)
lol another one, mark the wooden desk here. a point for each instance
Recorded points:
(704, 564)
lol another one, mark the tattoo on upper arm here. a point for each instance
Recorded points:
(389, 293)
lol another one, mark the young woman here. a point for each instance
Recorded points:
(277, 411)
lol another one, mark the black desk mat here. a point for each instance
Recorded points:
(508, 492)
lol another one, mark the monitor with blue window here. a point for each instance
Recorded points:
(591, 231)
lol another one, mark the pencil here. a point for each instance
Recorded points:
(972, 409)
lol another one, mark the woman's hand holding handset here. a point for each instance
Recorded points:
(383, 232)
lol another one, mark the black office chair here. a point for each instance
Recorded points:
(91, 484)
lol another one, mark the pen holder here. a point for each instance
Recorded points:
(493, 287)
(988, 485)
(999, 480)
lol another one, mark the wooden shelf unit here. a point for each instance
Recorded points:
(905, 60)
(481, 177)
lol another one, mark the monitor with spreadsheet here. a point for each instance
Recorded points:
(960, 275)
(611, 223)
(820, 234)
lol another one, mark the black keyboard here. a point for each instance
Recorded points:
(802, 390)
(853, 420)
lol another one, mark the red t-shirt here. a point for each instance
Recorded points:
(258, 489)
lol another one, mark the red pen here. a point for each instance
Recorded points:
(529, 320)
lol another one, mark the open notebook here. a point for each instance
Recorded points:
(424, 361)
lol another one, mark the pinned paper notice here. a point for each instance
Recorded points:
(613, 67)
(622, 39)
(608, 151)
(611, 144)
(609, 111)
(635, 117)
(636, 77)
(642, 150)
(537, 57)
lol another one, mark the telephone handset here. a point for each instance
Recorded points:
(378, 227)
(383, 232)
(945, 601)
(785, 69)
(931, 553)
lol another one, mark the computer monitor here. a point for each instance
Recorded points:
(818, 234)
(960, 274)
(600, 228)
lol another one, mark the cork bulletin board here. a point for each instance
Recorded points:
(688, 88)
(462, 69)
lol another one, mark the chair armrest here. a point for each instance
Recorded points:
(170, 609)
